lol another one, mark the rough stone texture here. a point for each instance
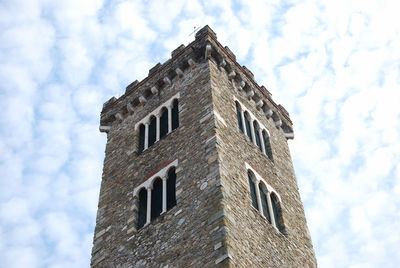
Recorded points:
(213, 223)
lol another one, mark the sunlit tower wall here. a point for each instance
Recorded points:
(197, 170)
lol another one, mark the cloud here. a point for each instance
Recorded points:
(333, 65)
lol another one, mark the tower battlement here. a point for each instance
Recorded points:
(197, 169)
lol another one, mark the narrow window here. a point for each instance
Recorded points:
(275, 211)
(267, 145)
(175, 115)
(142, 208)
(253, 191)
(264, 203)
(141, 138)
(171, 189)
(257, 135)
(248, 126)
(152, 131)
(156, 199)
(239, 116)
(164, 123)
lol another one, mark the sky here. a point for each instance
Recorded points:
(334, 65)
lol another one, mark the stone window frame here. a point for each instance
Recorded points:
(148, 186)
(262, 129)
(268, 191)
(157, 114)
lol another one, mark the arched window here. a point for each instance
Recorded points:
(248, 125)
(267, 145)
(141, 137)
(175, 115)
(257, 135)
(164, 123)
(275, 210)
(264, 203)
(253, 191)
(156, 199)
(152, 131)
(239, 116)
(142, 208)
(171, 189)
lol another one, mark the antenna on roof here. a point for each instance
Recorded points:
(194, 30)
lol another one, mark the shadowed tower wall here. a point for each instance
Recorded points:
(186, 183)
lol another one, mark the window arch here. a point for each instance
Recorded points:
(156, 194)
(239, 116)
(141, 138)
(171, 188)
(248, 125)
(164, 122)
(158, 123)
(265, 199)
(142, 208)
(175, 114)
(251, 127)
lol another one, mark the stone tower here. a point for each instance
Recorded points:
(197, 170)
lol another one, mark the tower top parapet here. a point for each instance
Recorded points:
(204, 47)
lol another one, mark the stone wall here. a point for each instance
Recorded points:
(252, 240)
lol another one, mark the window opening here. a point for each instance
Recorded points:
(239, 116)
(171, 189)
(141, 138)
(156, 199)
(253, 192)
(264, 202)
(152, 131)
(248, 126)
(275, 211)
(142, 208)
(175, 115)
(164, 123)
(257, 135)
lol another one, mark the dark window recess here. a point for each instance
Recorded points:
(175, 115)
(164, 123)
(264, 203)
(248, 127)
(239, 116)
(141, 138)
(152, 131)
(253, 192)
(156, 199)
(171, 189)
(267, 146)
(257, 135)
(275, 211)
(142, 208)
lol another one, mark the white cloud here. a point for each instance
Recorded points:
(333, 65)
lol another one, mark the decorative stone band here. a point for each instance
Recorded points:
(168, 104)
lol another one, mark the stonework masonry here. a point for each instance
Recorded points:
(213, 223)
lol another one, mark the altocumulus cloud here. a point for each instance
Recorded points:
(334, 65)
